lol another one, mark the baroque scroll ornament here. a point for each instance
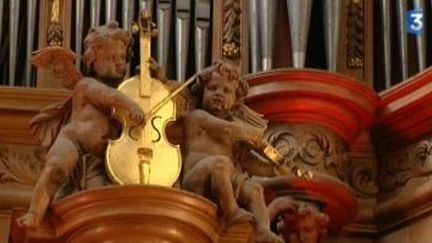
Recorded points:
(404, 164)
(310, 147)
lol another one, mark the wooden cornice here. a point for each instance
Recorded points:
(335, 101)
(404, 208)
(126, 214)
(405, 110)
(18, 106)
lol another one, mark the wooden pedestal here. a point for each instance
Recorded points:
(125, 214)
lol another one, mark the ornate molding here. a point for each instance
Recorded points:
(404, 207)
(355, 39)
(336, 102)
(231, 32)
(127, 213)
(55, 23)
(18, 106)
(231, 29)
(55, 29)
(309, 146)
(362, 175)
(405, 112)
(20, 166)
(399, 166)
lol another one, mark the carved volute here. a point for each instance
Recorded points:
(315, 117)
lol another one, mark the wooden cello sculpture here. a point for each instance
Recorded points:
(143, 155)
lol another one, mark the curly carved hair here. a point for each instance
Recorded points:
(99, 37)
(226, 70)
(306, 210)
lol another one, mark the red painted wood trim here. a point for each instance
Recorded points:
(406, 112)
(332, 100)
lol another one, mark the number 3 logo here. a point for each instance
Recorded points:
(415, 21)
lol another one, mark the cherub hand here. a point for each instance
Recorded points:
(282, 205)
(136, 114)
(154, 65)
(285, 204)
(283, 169)
(272, 153)
(157, 71)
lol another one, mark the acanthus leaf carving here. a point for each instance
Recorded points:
(231, 29)
(286, 144)
(315, 148)
(400, 166)
(310, 147)
(422, 158)
(362, 176)
(19, 167)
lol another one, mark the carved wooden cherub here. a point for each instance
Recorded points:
(88, 128)
(107, 50)
(211, 134)
(299, 222)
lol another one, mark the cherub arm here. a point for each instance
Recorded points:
(256, 164)
(104, 96)
(284, 204)
(237, 130)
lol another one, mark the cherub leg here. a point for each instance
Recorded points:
(218, 170)
(252, 195)
(61, 159)
(95, 172)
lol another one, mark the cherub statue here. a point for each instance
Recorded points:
(107, 50)
(88, 128)
(211, 134)
(298, 222)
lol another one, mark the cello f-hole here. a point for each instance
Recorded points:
(158, 138)
(130, 133)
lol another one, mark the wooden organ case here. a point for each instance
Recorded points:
(312, 67)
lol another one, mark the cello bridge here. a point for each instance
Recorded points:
(145, 153)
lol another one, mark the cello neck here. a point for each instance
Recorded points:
(147, 30)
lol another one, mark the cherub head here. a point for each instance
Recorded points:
(220, 89)
(107, 50)
(306, 225)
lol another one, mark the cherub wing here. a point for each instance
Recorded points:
(59, 61)
(45, 125)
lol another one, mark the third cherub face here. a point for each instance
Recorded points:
(219, 95)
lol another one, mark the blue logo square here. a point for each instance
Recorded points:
(415, 21)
